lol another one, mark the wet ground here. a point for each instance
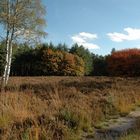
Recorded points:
(114, 128)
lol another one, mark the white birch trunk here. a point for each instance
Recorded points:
(6, 64)
(10, 51)
(9, 63)
(8, 42)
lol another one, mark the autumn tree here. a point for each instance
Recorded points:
(72, 65)
(61, 63)
(124, 63)
(51, 61)
(19, 19)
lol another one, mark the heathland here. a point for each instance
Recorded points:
(64, 108)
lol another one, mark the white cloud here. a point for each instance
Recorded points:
(90, 46)
(132, 34)
(85, 39)
(88, 35)
(78, 39)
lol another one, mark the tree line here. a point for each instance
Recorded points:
(60, 60)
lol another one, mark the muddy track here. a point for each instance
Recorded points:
(114, 129)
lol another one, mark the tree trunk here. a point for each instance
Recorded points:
(4, 77)
(9, 64)
(8, 44)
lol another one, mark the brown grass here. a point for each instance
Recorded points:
(62, 108)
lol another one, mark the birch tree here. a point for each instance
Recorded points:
(19, 20)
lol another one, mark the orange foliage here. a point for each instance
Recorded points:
(124, 63)
(62, 63)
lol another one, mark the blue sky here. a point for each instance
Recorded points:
(99, 25)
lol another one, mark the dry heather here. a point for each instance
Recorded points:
(62, 108)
